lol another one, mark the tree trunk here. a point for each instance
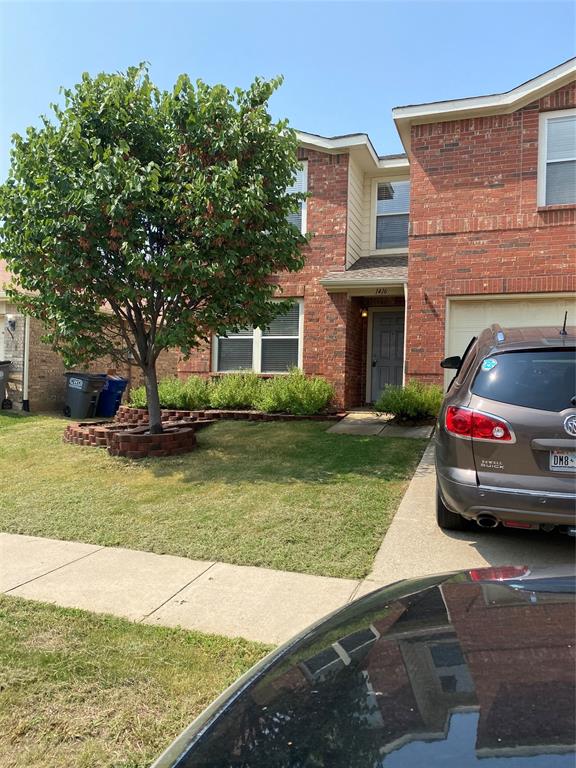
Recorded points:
(154, 415)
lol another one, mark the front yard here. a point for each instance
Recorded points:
(92, 691)
(288, 496)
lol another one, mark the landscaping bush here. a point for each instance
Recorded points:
(196, 392)
(191, 394)
(414, 402)
(296, 394)
(236, 390)
(137, 397)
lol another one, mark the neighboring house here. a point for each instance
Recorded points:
(413, 254)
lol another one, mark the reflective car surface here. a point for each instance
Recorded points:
(469, 669)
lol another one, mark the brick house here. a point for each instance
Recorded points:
(411, 254)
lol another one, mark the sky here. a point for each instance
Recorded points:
(345, 64)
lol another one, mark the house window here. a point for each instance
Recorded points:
(392, 209)
(300, 185)
(275, 349)
(557, 158)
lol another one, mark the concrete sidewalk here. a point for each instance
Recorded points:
(369, 422)
(257, 603)
(236, 601)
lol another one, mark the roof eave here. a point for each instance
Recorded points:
(358, 142)
(374, 282)
(480, 106)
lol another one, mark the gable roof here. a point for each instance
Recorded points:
(357, 143)
(478, 106)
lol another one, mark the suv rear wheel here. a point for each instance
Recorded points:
(448, 521)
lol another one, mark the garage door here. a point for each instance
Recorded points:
(467, 317)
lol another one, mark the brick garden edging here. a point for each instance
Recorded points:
(128, 434)
(127, 415)
(135, 442)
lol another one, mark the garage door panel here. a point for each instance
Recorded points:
(468, 317)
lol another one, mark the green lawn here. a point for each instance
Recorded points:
(283, 495)
(92, 691)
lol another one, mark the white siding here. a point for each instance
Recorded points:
(355, 213)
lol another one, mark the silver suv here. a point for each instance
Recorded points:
(506, 433)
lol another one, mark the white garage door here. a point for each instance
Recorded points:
(467, 317)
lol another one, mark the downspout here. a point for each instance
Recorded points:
(26, 371)
(405, 333)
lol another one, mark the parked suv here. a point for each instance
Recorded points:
(506, 433)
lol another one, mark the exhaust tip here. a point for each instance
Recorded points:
(487, 521)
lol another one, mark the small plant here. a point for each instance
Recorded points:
(137, 397)
(236, 390)
(191, 394)
(196, 392)
(296, 394)
(414, 402)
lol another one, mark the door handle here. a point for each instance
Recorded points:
(373, 363)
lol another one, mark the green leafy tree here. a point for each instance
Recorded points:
(140, 219)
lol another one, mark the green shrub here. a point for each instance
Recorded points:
(137, 397)
(171, 393)
(192, 394)
(414, 402)
(196, 392)
(296, 394)
(236, 390)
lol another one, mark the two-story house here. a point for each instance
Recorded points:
(412, 254)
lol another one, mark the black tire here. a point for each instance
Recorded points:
(448, 521)
(67, 410)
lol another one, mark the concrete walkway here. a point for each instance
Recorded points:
(415, 546)
(255, 603)
(372, 423)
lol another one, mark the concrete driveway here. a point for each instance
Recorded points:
(415, 546)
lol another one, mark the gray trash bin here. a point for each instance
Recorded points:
(82, 391)
(4, 369)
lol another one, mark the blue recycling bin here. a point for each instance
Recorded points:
(111, 396)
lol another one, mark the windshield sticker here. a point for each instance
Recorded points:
(489, 363)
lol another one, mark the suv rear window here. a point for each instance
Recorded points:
(543, 379)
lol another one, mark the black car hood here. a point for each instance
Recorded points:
(450, 671)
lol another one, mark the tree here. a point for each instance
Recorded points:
(141, 219)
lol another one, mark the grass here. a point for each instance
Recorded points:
(288, 496)
(95, 691)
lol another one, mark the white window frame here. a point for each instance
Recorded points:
(545, 118)
(374, 208)
(257, 345)
(304, 171)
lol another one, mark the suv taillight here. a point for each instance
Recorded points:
(466, 422)
(502, 573)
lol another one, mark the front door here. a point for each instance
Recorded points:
(387, 351)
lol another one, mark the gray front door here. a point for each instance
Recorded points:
(387, 350)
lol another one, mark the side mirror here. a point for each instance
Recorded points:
(453, 362)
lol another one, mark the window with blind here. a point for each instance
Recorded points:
(275, 349)
(298, 218)
(557, 156)
(392, 214)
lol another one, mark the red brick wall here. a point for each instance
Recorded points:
(475, 223)
(46, 383)
(328, 346)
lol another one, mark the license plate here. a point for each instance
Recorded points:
(563, 461)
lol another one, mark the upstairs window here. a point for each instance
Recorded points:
(300, 185)
(275, 349)
(392, 209)
(557, 158)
